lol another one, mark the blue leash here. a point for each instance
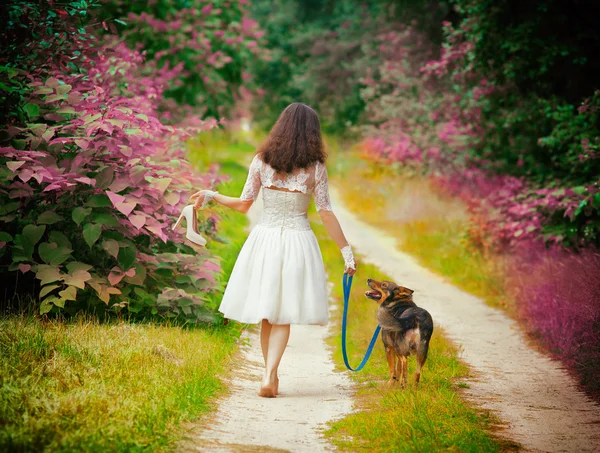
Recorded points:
(347, 284)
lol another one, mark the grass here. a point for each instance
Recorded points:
(427, 224)
(82, 385)
(433, 417)
(87, 386)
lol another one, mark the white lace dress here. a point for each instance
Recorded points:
(279, 274)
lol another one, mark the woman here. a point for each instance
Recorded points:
(279, 276)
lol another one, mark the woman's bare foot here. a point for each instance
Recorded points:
(269, 386)
(267, 392)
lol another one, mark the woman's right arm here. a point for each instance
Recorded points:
(234, 203)
(244, 202)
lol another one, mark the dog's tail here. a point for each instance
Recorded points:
(422, 350)
(426, 330)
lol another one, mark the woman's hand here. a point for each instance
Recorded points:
(350, 271)
(198, 198)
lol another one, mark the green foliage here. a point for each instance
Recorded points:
(547, 48)
(209, 42)
(316, 57)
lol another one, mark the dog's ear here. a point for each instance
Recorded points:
(401, 292)
(407, 291)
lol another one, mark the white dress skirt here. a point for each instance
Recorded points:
(279, 274)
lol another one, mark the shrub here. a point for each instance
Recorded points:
(209, 44)
(90, 177)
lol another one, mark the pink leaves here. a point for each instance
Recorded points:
(15, 165)
(120, 204)
(116, 275)
(138, 220)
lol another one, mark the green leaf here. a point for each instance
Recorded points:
(104, 219)
(126, 258)
(47, 289)
(53, 254)
(59, 238)
(43, 90)
(579, 190)
(73, 266)
(66, 110)
(58, 301)
(32, 110)
(45, 306)
(9, 207)
(48, 218)
(91, 233)
(63, 89)
(105, 177)
(112, 234)
(582, 205)
(33, 233)
(111, 246)
(70, 293)
(99, 201)
(5, 237)
(79, 214)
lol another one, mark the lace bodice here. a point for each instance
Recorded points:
(312, 180)
(285, 210)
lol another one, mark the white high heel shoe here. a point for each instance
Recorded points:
(192, 225)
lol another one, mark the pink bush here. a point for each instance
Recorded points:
(421, 120)
(92, 181)
(559, 294)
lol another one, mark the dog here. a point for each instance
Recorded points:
(405, 328)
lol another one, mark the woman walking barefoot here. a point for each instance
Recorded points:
(279, 276)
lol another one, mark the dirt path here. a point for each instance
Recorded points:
(312, 394)
(537, 399)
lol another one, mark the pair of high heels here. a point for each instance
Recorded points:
(192, 234)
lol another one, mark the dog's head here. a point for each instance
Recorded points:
(388, 293)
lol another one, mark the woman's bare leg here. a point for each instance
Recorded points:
(265, 332)
(278, 340)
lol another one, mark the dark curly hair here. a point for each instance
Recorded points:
(295, 140)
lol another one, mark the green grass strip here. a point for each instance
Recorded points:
(86, 386)
(433, 417)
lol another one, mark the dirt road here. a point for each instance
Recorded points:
(312, 394)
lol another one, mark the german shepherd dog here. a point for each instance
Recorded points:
(405, 328)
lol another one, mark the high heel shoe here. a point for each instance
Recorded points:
(192, 225)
